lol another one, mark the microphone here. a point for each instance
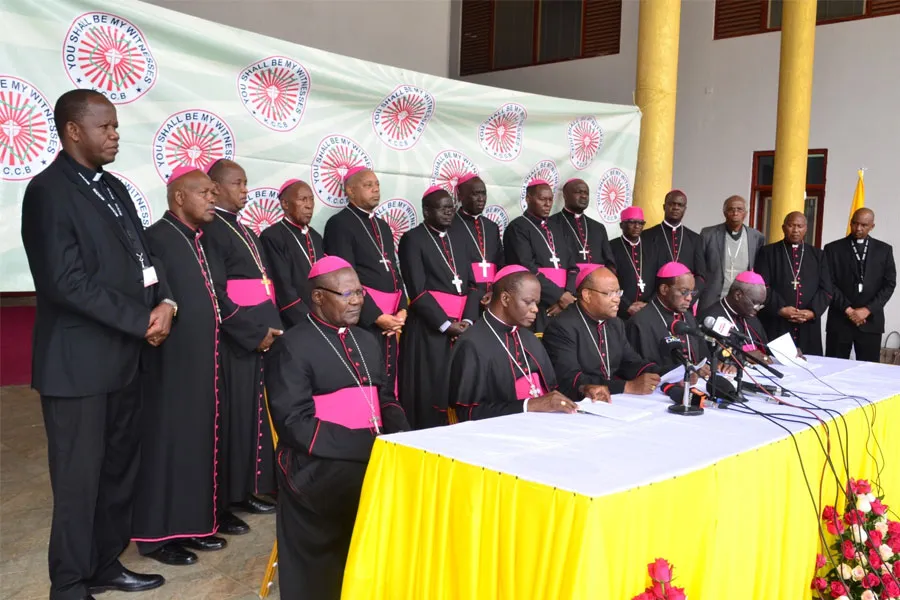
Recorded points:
(723, 329)
(672, 347)
(725, 389)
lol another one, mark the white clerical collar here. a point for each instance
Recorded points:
(469, 214)
(672, 226)
(440, 234)
(860, 240)
(573, 213)
(304, 229)
(342, 330)
(795, 245)
(633, 244)
(514, 327)
(227, 212)
(371, 215)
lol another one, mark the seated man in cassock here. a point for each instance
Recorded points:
(444, 302)
(799, 286)
(585, 238)
(588, 348)
(499, 367)
(746, 297)
(535, 243)
(636, 263)
(246, 456)
(366, 241)
(653, 323)
(481, 234)
(674, 242)
(863, 277)
(177, 486)
(292, 247)
(329, 397)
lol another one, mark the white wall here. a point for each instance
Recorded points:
(727, 97)
(410, 34)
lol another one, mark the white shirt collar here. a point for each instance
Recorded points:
(673, 226)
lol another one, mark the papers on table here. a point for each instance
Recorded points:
(617, 412)
(784, 351)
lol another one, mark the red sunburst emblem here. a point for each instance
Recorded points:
(109, 60)
(500, 133)
(585, 143)
(613, 195)
(402, 117)
(24, 133)
(274, 92)
(196, 145)
(450, 173)
(261, 214)
(335, 165)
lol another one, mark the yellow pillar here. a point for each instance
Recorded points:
(657, 83)
(795, 81)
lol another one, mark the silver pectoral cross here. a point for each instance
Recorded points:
(457, 283)
(555, 260)
(584, 253)
(484, 268)
(641, 285)
(795, 283)
(374, 422)
(534, 391)
(384, 260)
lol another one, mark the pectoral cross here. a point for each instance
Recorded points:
(484, 268)
(555, 260)
(584, 253)
(374, 422)
(641, 285)
(732, 271)
(457, 283)
(795, 282)
(534, 391)
(384, 260)
(266, 282)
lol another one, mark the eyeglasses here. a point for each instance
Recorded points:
(686, 293)
(634, 222)
(758, 307)
(358, 293)
(612, 294)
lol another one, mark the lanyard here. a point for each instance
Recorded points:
(860, 261)
(113, 205)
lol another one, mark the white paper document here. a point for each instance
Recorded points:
(617, 412)
(784, 351)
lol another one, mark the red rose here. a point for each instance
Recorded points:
(875, 560)
(819, 584)
(878, 508)
(870, 580)
(897, 569)
(875, 538)
(643, 596)
(891, 590)
(828, 513)
(848, 549)
(894, 527)
(660, 570)
(658, 590)
(677, 594)
(838, 589)
(854, 517)
(820, 561)
(894, 542)
(835, 527)
(863, 487)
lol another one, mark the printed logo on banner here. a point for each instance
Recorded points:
(399, 214)
(274, 91)
(109, 54)
(334, 156)
(28, 139)
(613, 195)
(263, 209)
(500, 135)
(402, 116)
(585, 139)
(546, 170)
(449, 166)
(138, 199)
(196, 138)
(498, 215)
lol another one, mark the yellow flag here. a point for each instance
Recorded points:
(859, 198)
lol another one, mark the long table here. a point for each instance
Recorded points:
(553, 507)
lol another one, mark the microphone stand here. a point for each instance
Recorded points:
(685, 409)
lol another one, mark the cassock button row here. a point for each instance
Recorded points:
(364, 379)
(349, 349)
(355, 364)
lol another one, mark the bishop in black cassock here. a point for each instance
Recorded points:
(247, 450)
(746, 297)
(863, 276)
(366, 242)
(330, 398)
(498, 367)
(637, 263)
(674, 242)
(588, 348)
(444, 302)
(292, 247)
(585, 238)
(481, 235)
(799, 286)
(535, 243)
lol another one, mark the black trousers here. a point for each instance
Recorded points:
(93, 447)
(867, 345)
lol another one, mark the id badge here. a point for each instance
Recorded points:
(150, 277)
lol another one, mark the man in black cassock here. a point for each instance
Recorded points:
(799, 286)
(330, 398)
(637, 263)
(674, 242)
(535, 243)
(588, 348)
(177, 486)
(585, 238)
(246, 455)
(499, 367)
(863, 276)
(746, 297)
(444, 302)
(293, 247)
(366, 242)
(481, 234)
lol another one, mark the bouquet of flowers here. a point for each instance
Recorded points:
(660, 588)
(865, 557)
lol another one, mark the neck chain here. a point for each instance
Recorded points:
(481, 251)
(729, 311)
(200, 255)
(669, 246)
(548, 239)
(379, 244)
(796, 281)
(639, 268)
(605, 364)
(687, 340)
(534, 392)
(733, 257)
(584, 247)
(310, 259)
(251, 246)
(451, 264)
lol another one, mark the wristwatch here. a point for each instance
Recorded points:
(173, 304)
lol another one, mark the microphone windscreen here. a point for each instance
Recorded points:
(709, 322)
(680, 328)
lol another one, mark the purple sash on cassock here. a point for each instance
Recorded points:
(523, 386)
(386, 301)
(557, 276)
(452, 304)
(348, 407)
(249, 292)
(479, 278)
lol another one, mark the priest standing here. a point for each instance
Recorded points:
(292, 247)
(330, 398)
(364, 240)
(535, 243)
(637, 263)
(585, 238)
(481, 234)
(799, 286)
(864, 276)
(444, 302)
(674, 242)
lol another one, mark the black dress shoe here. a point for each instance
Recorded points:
(231, 525)
(173, 554)
(256, 506)
(126, 581)
(204, 544)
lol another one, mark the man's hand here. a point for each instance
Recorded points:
(554, 310)
(703, 372)
(859, 315)
(552, 402)
(790, 313)
(727, 369)
(486, 299)
(267, 341)
(597, 393)
(635, 306)
(759, 356)
(805, 315)
(160, 323)
(643, 384)
(401, 315)
(565, 300)
(390, 324)
(456, 329)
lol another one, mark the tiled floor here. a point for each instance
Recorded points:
(234, 573)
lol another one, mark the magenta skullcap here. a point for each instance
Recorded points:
(582, 275)
(466, 177)
(328, 264)
(750, 277)
(534, 182)
(509, 270)
(180, 171)
(672, 269)
(632, 213)
(354, 170)
(433, 189)
(288, 184)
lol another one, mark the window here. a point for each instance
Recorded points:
(746, 17)
(506, 34)
(761, 193)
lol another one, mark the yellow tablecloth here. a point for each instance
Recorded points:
(433, 528)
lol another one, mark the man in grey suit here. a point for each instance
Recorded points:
(729, 248)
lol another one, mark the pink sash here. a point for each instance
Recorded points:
(479, 278)
(749, 347)
(523, 386)
(348, 407)
(557, 276)
(452, 304)
(386, 301)
(249, 292)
